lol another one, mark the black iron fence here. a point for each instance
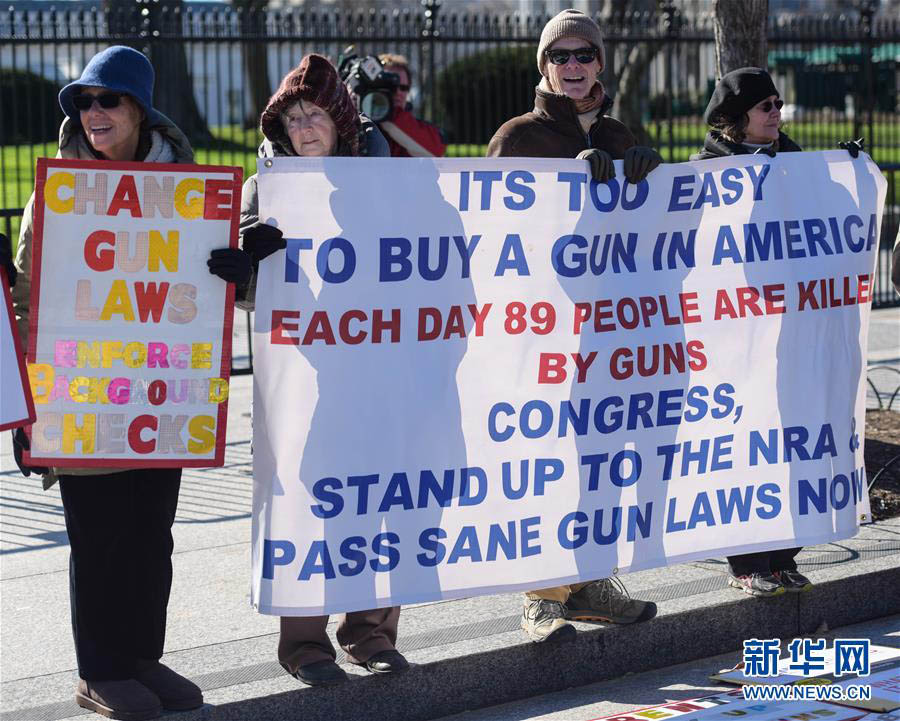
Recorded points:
(217, 65)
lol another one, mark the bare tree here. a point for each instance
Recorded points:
(634, 59)
(256, 59)
(155, 29)
(740, 34)
(174, 91)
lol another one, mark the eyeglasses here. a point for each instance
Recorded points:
(402, 88)
(84, 101)
(582, 55)
(766, 107)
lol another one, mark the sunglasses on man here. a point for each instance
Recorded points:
(582, 55)
(84, 101)
(766, 107)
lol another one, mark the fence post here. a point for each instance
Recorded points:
(430, 32)
(145, 26)
(867, 12)
(672, 29)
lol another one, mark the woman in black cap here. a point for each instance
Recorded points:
(745, 114)
(118, 520)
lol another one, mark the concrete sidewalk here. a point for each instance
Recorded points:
(468, 653)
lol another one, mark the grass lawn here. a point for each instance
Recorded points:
(237, 146)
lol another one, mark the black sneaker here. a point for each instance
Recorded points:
(761, 585)
(793, 581)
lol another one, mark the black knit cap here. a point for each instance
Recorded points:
(737, 92)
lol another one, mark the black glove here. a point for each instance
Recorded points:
(6, 261)
(21, 444)
(232, 265)
(261, 240)
(853, 146)
(639, 161)
(601, 164)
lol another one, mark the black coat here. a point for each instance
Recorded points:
(716, 146)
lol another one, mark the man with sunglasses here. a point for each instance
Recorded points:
(408, 136)
(569, 121)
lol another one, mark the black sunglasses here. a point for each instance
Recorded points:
(106, 101)
(766, 107)
(582, 55)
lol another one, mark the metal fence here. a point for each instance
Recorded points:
(217, 64)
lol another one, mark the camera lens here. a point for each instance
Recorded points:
(377, 105)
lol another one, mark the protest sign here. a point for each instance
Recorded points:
(885, 684)
(475, 376)
(673, 709)
(787, 675)
(709, 708)
(129, 334)
(16, 406)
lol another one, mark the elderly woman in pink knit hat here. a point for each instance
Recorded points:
(311, 114)
(569, 121)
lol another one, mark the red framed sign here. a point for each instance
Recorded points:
(16, 405)
(129, 348)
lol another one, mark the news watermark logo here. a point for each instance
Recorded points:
(808, 659)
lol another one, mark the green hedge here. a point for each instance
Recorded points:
(477, 94)
(31, 111)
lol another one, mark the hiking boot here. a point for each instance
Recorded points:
(761, 585)
(127, 700)
(608, 600)
(793, 581)
(545, 620)
(175, 692)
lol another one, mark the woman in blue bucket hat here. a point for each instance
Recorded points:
(118, 520)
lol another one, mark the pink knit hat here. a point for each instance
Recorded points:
(315, 80)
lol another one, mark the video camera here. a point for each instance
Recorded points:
(370, 82)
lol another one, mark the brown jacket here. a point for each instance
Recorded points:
(552, 130)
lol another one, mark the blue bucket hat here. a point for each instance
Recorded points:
(118, 68)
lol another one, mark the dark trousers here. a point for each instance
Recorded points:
(765, 562)
(120, 567)
(362, 634)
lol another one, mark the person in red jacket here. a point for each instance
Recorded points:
(408, 136)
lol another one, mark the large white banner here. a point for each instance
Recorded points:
(130, 336)
(475, 376)
(16, 406)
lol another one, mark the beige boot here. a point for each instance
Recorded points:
(124, 700)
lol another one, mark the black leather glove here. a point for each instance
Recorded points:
(853, 146)
(6, 261)
(232, 265)
(601, 164)
(639, 161)
(21, 444)
(261, 240)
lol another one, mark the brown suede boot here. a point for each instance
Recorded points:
(124, 700)
(175, 691)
